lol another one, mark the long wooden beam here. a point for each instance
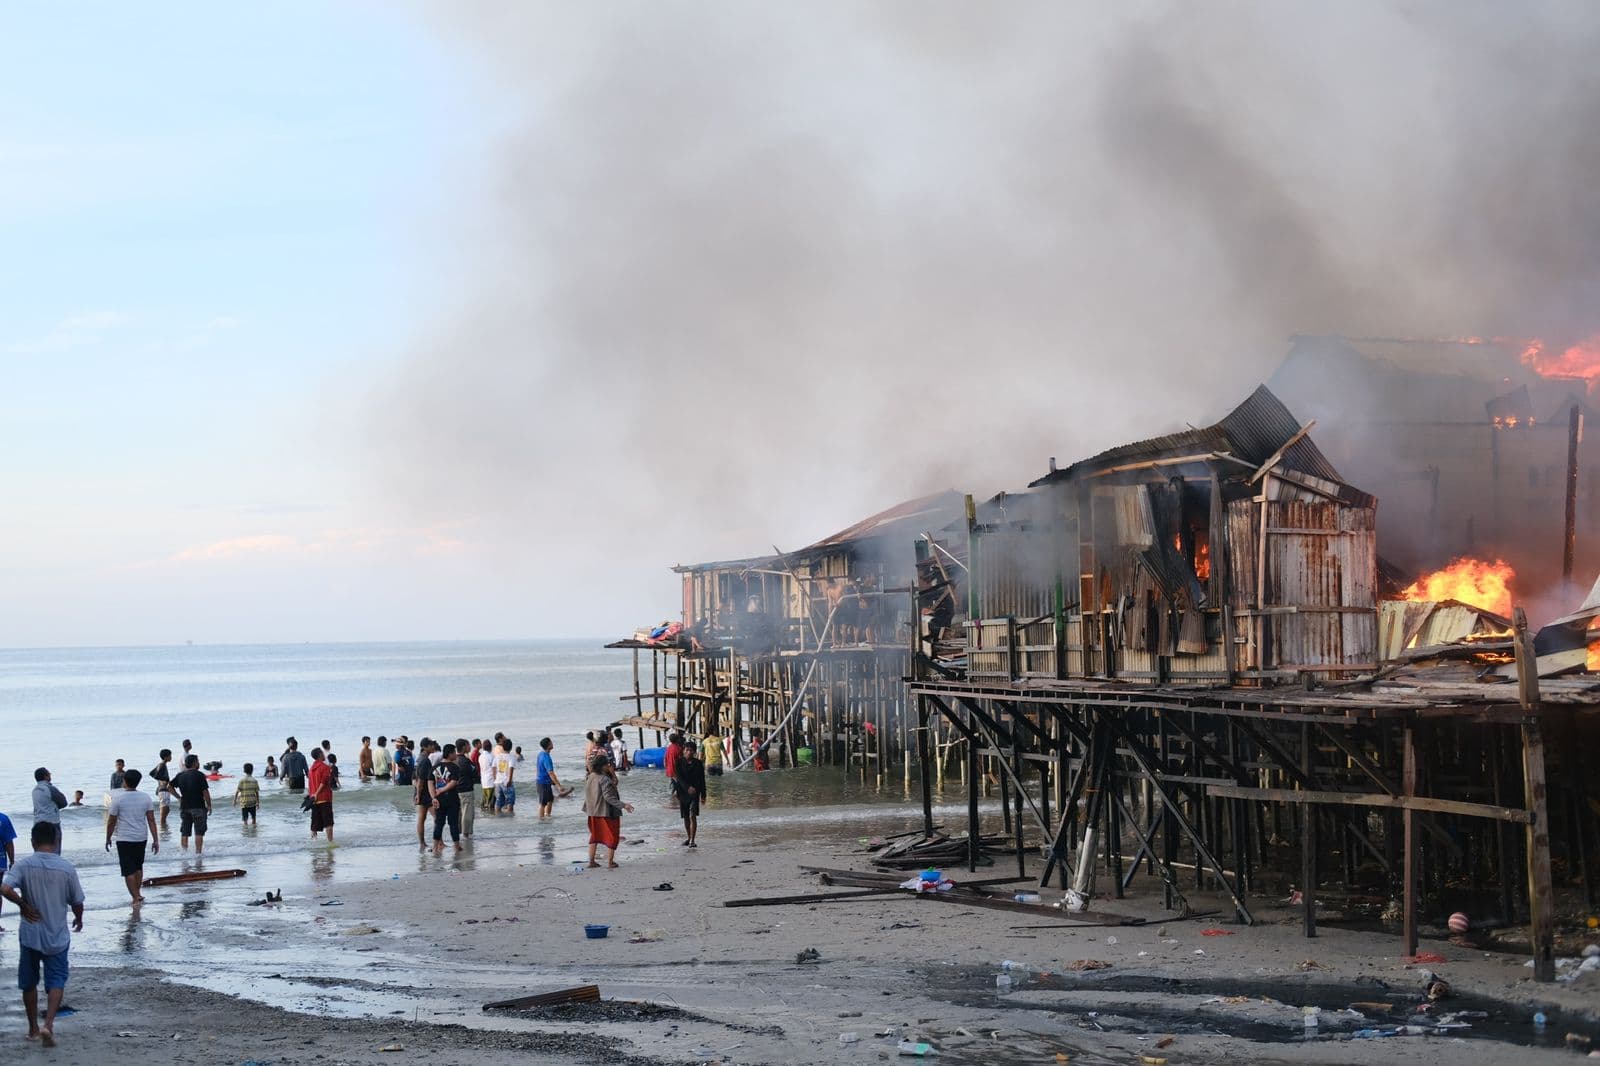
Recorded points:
(1374, 799)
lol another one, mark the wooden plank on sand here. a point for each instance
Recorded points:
(198, 875)
(579, 994)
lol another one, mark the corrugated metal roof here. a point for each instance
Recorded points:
(1252, 432)
(923, 513)
(728, 564)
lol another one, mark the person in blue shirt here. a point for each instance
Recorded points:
(8, 847)
(544, 776)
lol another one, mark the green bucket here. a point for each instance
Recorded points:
(805, 756)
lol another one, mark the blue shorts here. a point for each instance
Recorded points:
(30, 962)
(505, 796)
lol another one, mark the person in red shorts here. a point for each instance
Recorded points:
(603, 804)
(319, 790)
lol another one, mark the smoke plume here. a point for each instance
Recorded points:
(742, 273)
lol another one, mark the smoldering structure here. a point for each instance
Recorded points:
(1182, 657)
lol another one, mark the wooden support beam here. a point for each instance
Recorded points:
(1374, 799)
(1408, 762)
(1541, 894)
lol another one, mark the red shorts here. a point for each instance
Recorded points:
(607, 831)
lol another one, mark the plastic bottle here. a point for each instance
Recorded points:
(848, 1038)
(1539, 1020)
(1002, 982)
(1313, 1016)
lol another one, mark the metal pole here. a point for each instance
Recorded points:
(1570, 531)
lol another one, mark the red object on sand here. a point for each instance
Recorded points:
(1216, 932)
(1425, 956)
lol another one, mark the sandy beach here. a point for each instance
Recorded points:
(363, 968)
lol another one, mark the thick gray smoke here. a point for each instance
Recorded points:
(744, 273)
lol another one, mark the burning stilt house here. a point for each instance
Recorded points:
(808, 646)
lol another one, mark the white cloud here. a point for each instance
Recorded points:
(77, 330)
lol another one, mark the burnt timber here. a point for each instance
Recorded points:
(1171, 657)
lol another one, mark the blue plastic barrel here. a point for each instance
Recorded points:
(650, 758)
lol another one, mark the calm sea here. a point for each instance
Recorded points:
(76, 710)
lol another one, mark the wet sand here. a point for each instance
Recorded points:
(407, 959)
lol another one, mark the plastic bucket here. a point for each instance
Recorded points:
(596, 932)
(805, 756)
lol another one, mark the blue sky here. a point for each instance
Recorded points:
(469, 318)
(214, 228)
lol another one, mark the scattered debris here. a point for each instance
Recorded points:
(1310, 964)
(1087, 964)
(1213, 931)
(809, 955)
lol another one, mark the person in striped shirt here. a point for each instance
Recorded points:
(247, 797)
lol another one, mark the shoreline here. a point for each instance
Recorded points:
(401, 961)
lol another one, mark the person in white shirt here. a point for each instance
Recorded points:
(505, 775)
(486, 776)
(131, 824)
(619, 752)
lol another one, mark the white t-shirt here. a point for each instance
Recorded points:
(617, 748)
(504, 763)
(486, 767)
(130, 807)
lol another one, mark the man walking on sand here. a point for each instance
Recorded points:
(691, 781)
(319, 786)
(131, 824)
(45, 886)
(194, 804)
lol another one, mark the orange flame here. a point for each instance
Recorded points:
(1580, 361)
(1482, 584)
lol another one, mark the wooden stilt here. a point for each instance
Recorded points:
(1408, 821)
(1541, 901)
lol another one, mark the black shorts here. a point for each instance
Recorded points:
(297, 784)
(688, 805)
(547, 794)
(714, 771)
(321, 816)
(192, 822)
(130, 856)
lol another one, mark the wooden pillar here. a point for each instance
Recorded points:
(1308, 841)
(925, 769)
(974, 834)
(1569, 537)
(1408, 820)
(1541, 901)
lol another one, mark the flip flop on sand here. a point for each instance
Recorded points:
(665, 886)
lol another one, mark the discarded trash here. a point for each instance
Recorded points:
(1007, 964)
(1075, 901)
(1152, 1060)
(916, 1048)
(1373, 1034)
(809, 955)
(1199, 951)
(1002, 982)
(1166, 1041)
(1578, 1042)
(1368, 1007)
(332, 903)
(1438, 990)
(392, 1047)
(1592, 951)
(1111, 940)
(848, 1038)
(1539, 1019)
(577, 994)
(1311, 964)
(1216, 932)
(596, 931)
(1313, 1016)
(665, 886)
(1026, 897)
(359, 930)
(1425, 956)
(1087, 964)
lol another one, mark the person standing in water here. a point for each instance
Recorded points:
(292, 768)
(194, 804)
(161, 774)
(247, 796)
(131, 825)
(319, 788)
